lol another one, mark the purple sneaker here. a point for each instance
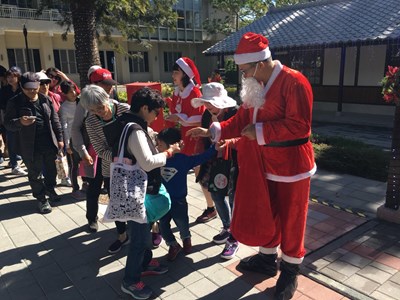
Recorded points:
(156, 238)
(230, 250)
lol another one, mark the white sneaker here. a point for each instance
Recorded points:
(66, 182)
(18, 171)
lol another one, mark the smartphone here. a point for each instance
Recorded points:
(31, 117)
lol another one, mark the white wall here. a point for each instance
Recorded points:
(350, 66)
(372, 65)
(331, 66)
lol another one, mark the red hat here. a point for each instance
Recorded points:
(252, 47)
(187, 65)
(103, 76)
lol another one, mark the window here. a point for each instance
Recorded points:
(65, 61)
(139, 63)
(307, 61)
(181, 18)
(170, 59)
(17, 57)
(107, 59)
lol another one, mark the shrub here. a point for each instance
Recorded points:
(123, 96)
(351, 157)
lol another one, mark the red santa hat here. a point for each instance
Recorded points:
(252, 47)
(187, 65)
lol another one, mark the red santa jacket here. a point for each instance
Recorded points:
(188, 115)
(283, 126)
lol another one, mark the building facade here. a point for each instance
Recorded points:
(44, 45)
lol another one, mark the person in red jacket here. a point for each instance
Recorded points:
(187, 81)
(276, 161)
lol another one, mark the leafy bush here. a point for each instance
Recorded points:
(167, 90)
(351, 157)
(123, 96)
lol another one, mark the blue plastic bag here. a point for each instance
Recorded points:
(157, 205)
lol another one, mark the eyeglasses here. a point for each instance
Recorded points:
(156, 111)
(244, 71)
(97, 109)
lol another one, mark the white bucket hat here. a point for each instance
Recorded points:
(215, 94)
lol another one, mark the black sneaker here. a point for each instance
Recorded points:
(155, 268)
(260, 263)
(44, 207)
(93, 226)
(53, 196)
(117, 245)
(137, 290)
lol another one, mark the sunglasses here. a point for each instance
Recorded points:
(51, 76)
(44, 82)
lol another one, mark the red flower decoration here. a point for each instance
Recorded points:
(391, 85)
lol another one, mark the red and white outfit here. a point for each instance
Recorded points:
(189, 117)
(180, 105)
(272, 192)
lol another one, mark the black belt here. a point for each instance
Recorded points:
(290, 143)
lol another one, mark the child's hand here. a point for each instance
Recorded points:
(221, 145)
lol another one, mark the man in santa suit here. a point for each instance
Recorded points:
(276, 161)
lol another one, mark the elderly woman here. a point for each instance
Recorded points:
(102, 111)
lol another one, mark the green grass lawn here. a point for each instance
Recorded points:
(351, 157)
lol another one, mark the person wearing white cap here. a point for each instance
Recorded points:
(219, 107)
(276, 161)
(45, 89)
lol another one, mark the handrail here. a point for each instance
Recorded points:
(14, 12)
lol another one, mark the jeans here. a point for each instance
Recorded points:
(42, 159)
(178, 213)
(139, 251)
(224, 208)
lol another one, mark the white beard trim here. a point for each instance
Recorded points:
(252, 93)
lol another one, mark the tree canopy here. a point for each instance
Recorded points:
(94, 21)
(241, 13)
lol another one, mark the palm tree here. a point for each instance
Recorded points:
(83, 15)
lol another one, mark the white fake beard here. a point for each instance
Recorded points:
(252, 93)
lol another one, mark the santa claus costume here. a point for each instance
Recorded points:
(180, 104)
(272, 193)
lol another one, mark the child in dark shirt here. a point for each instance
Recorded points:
(174, 178)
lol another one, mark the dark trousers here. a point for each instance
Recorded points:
(93, 193)
(42, 160)
(92, 197)
(73, 166)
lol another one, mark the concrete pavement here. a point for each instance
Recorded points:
(351, 255)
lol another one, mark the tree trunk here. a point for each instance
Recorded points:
(84, 22)
(393, 182)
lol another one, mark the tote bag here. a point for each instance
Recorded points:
(220, 174)
(127, 188)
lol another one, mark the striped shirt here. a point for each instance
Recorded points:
(94, 127)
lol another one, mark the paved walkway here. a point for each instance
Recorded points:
(351, 255)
